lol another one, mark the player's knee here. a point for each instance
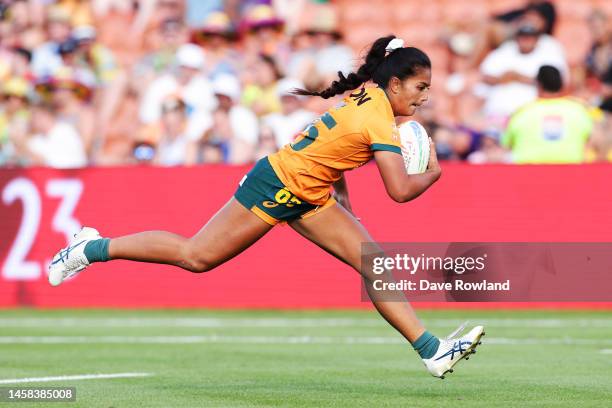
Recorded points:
(198, 266)
(195, 261)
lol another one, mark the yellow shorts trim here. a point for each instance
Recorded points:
(330, 201)
(267, 218)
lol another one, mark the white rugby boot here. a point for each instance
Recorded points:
(68, 262)
(452, 350)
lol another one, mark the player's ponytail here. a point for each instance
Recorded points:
(385, 59)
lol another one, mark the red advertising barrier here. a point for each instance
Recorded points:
(41, 208)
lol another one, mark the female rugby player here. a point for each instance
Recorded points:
(293, 185)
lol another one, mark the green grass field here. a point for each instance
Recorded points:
(351, 359)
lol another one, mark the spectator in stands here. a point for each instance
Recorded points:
(261, 78)
(606, 91)
(301, 58)
(98, 40)
(79, 11)
(217, 37)
(262, 34)
(599, 58)
(111, 81)
(172, 140)
(188, 82)
(24, 32)
(53, 143)
(329, 54)
(293, 118)
(20, 62)
(46, 58)
(266, 143)
(17, 13)
(16, 35)
(235, 128)
(72, 94)
(510, 70)
(71, 61)
(599, 148)
(151, 13)
(117, 145)
(489, 152)
(14, 118)
(503, 27)
(552, 129)
(95, 56)
(166, 41)
(600, 145)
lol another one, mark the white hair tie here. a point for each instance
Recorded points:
(393, 45)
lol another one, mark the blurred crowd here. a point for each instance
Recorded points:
(184, 82)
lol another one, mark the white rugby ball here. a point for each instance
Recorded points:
(415, 146)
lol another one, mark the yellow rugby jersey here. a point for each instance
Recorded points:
(343, 138)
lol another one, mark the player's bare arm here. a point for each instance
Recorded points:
(401, 186)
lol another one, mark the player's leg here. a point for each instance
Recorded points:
(339, 233)
(229, 232)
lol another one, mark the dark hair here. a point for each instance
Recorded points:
(549, 78)
(547, 11)
(272, 64)
(378, 67)
(606, 78)
(25, 53)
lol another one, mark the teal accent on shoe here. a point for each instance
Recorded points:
(97, 250)
(426, 345)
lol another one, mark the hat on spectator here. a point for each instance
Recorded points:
(16, 86)
(190, 56)
(84, 33)
(286, 86)
(79, 82)
(58, 14)
(217, 22)
(69, 46)
(227, 85)
(322, 18)
(260, 16)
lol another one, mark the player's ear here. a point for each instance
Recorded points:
(394, 85)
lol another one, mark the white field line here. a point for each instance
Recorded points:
(606, 351)
(285, 322)
(222, 339)
(73, 378)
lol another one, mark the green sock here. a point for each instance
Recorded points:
(97, 250)
(426, 345)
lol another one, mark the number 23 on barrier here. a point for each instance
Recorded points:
(16, 266)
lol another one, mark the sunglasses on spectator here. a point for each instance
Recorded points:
(172, 106)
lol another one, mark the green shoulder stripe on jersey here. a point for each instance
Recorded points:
(385, 147)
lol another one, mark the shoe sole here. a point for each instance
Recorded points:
(469, 351)
(61, 272)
